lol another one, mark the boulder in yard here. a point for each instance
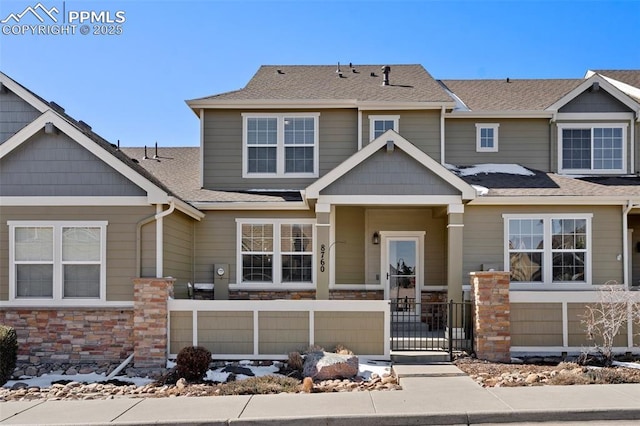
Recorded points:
(328, 366)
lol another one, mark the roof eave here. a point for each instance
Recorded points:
(492, 200)
(500, 113)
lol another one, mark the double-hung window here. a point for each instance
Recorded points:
(378, 124)
(548, 249)
(275, 252)
(60, 261)
(487, 137)
(593, 148)
(280, 145)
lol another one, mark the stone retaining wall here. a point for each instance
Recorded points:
(71, 334)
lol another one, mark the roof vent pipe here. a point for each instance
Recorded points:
(338, 69)
(155, 156)
(385, 72)
(145, 153)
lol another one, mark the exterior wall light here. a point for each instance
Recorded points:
(376, 238)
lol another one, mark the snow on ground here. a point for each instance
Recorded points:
(367, 368)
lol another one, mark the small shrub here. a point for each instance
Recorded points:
(260, 385)
(295, 361)
(193, 362)
(8, 352)
(342, 350)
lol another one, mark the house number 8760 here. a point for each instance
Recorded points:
(323, 249)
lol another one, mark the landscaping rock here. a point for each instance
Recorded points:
(326, 366)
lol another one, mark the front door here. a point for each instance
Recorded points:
(402, 272)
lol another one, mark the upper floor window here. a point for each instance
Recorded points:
(487, 137)
(57, 260)
(597, 148)
(378, 124)
(275, 251)
(548, 248)
(280, 145)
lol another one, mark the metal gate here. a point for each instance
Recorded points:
(433, 326)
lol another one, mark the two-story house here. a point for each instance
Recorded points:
(371, 182)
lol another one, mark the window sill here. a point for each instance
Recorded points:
(54, 304)
(271, 286)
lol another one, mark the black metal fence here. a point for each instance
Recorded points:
(432, 326)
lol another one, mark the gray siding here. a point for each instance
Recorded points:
(599, 101)
(55, 165)
(390, 173)
(121, 240)
(178, 251)
(484, 236)
(421, 128)
(15, 113)
(223, 149)
(520, 141)
(215, 239)
(350, 245)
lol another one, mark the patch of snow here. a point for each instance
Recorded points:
(369, 367)
(626, 364)
(480, 190)
(510, 169)
(450, 167)
(46, 380)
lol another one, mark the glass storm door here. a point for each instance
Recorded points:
(402, 275)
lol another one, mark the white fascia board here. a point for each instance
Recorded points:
(155, 195)
(275, 205)
(187, 208)
(74, 201)
(605, 85)
(390, 200)
(313, 190)
(555, 200)
(65, 303)
(196, 104)
(499, 114)
(23, 93)
(376, 105)
(626, 88)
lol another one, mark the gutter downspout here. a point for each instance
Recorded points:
(442, 156)
(625, 241)
(632, 154)
(158, 217)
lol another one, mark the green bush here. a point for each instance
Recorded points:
(8, 352)
(193, 362)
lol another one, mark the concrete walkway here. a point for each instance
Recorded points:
(432, 394)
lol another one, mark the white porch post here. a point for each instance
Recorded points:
(323, 245)
(454, 251)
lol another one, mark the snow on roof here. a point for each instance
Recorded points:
(510, 169)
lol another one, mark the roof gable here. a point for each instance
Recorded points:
(603, 84)
(438, 176)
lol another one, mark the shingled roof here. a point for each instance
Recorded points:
(511, 95)
(179, 169)
(630, 77)
(408, 83)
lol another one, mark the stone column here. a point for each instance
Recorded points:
(492, 322)
(150, 321)
(323, 247)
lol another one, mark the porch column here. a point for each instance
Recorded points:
(323, 246)
(454, 251)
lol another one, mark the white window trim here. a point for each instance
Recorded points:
(479, 127)
(57, 299)
(374, 118)
(591, 126)
(280, 147)
(277, 283)
(547, 278)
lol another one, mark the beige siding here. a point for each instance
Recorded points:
(409, 220)
(283, 332)
(421, 128)
(484, 236)
(536, 324)
(148, 250)
(180, 330)
(215, 239)
(520, 141)
(178, 251)
(226, 332)
(577, 329)
(350, 245)
(223, 148)
(362, 332)
(121, 241)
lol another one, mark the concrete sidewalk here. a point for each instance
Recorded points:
(432, 394)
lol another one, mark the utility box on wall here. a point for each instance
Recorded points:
(221, 281)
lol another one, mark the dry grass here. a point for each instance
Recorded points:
(260, 385)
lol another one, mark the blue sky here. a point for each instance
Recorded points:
(132, 86)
